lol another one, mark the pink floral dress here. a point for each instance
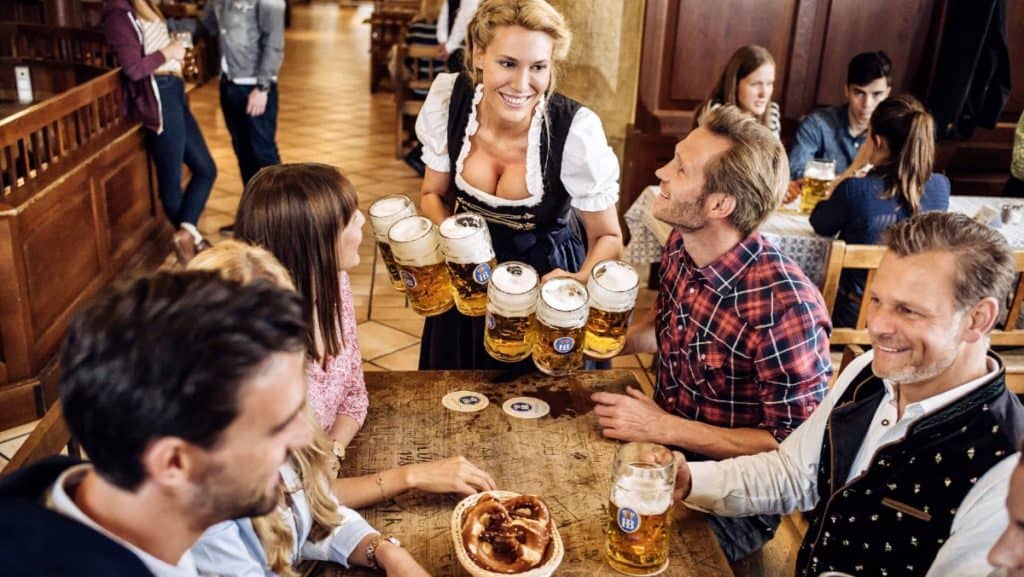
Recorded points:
(339, 388)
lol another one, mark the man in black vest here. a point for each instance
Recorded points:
(187, 391)
(903, 469)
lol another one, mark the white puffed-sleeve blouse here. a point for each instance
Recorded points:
(590, 169)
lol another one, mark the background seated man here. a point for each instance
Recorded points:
(741, 333)
(186, 391)
(921, 431)
(837, 133)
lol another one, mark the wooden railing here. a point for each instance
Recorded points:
(388, 20)
(54, 44)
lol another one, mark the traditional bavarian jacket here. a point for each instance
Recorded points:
(924, 495)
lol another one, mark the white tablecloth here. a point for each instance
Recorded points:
(789, 230)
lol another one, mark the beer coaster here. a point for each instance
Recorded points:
(526, 408)
(465, 401)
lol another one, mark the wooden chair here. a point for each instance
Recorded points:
(416, 76)
(49, 438)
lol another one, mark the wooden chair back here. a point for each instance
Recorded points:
(412, 81)
(49, 438)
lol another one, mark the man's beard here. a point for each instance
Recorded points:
(220, 498)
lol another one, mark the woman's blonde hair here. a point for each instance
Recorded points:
(147, 10)
(533, 15)
(245, 263)
(741, 64)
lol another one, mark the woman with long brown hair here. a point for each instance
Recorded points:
(748, 82)
(154, 91)
(898, 154)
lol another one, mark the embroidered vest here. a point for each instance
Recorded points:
(546, 235)
(892, 519)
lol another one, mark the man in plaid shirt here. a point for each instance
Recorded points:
(741, 333)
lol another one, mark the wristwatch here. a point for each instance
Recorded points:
(263, 86)
(371, 549)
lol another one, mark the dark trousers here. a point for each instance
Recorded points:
(253, 137)
(741, 536)
(181, 142)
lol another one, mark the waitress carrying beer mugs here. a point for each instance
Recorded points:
(499, 142)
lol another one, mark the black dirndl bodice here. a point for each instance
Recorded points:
(547, 235)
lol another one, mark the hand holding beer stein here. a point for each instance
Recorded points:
(639, 508)
(561, 318)
(466, 246)
(613, 289)
(818, 176)
(511, 304)
(384, 213)
(421, 266)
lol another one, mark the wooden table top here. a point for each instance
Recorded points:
(562, 457)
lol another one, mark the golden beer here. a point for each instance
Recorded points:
(613, 288)
(384, 213)
(421, 266)
(639, 509)
(466, 246)
(818, 177)
(511, 302)
(561, 318)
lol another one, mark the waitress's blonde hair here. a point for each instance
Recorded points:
(533, 15)
(245, 263)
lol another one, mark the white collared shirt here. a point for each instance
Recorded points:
(60, 501)
(785, 480)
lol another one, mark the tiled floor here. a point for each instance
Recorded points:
(327, 114)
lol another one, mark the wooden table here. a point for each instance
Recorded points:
(561, 457)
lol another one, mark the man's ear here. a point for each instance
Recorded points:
(169, 461)
(980, 319)
(720, 205)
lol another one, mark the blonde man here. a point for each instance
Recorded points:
(741, 333)
(903, 469)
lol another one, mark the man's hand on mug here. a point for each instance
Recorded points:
(684, 481)
(793, 192)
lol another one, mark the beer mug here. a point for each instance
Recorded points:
(189, 67)
(384, 213)
(466, 246)
(561, 317)
(420, 264)
(613, 287)
(639, 509)
(818, 176)
(511, 303)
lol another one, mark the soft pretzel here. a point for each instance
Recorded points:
(509, 536)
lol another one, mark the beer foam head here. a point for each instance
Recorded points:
(388, 210)
(413, 241)
(512, 290)
(820, 170)
(562, 303)
(613, 286)
(645, 496)
(465, 239)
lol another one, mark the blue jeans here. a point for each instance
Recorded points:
(251, 136)
(741, 536)
(181, 142)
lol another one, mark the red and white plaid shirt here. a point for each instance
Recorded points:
(743, 341)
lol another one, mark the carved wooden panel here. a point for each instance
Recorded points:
(123, 183)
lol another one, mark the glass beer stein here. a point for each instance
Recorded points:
(818, 176)
(639, 509)
(511, 303)
(613, 287)
(421, 266)
(561, 317)
(384, 213)
(466, 246)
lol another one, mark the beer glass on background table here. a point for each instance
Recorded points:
(383, 213)
(466, 246)
(561, 318)
(613, 288)
(189, 67)
(414, 242)
(511, 305)
(639, 509)
(818, 177)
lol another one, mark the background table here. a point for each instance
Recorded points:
(562, 458)
(790, 230)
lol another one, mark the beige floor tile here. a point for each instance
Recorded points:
(3, 464)
(412, 326)
(18, 431)
(376, 340)
(10, 447)
(406, 359)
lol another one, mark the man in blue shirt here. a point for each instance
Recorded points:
(836, 132)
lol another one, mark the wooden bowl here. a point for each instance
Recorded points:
(554, 553)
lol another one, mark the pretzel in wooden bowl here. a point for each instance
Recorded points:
(502, 533)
